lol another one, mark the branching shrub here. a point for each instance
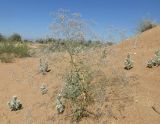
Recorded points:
(15, 37)
(14, 104)
(76, 90)
(128, 63)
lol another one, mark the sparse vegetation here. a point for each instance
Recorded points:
(8, 51)
(86, 80)
(128, 63)
(14, 104)
(2, 38)
(15, 37)
(146, 24)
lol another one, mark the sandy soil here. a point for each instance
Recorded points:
(128, 102)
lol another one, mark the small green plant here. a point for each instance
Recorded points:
(128, 63)
(44, 89)
(14, 104)
(43, 67)
(154, 61)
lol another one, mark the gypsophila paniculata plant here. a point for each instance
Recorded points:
(76, 88)
(14, 104)
(128, 63)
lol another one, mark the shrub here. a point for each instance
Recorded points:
(9, 50)
(146, 25)
(128, 63)
(7, 58)
(15, 37)
(14, 104)
(76, 90)
(155, 61)
(2, 38)
(150, 63)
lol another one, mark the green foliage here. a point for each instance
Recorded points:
(14, 104)
(150, 63)
(15, 37)
(79, 113)
(6, 58)
(44, 89)
(128, 63)
(145, 25)
(2, 38)
(10, 50)
(76, 89)
(155, 61)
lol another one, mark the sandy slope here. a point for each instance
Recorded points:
(134, 101)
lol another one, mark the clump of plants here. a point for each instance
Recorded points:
(146, 24)
(43, 67)
(128, 63)
(154, 61)
(9, 51)
(14, 104)
(44, 89)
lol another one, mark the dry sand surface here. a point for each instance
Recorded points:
(133, 97)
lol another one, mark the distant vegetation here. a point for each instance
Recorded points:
(146, 24)
(15, 37)
(12, 47)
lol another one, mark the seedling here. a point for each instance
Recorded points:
(128, 63)
(44, 89)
